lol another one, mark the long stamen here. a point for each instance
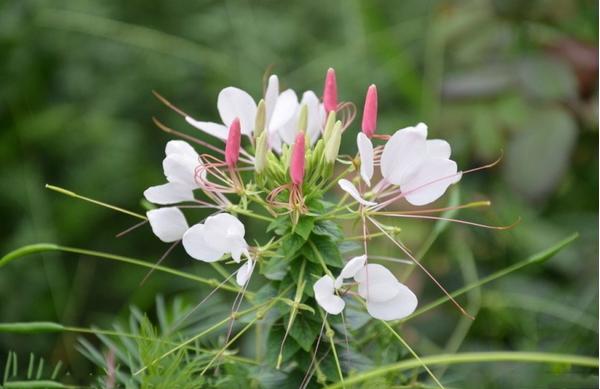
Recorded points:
(169, 130)
(502, 228)
(122, 233)
(460, 308)
(159, 261)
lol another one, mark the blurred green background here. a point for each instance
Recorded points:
(491, 77)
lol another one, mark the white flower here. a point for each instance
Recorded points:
(421, 168)
(168, 223)
(350, 269)
(386, 297)
(349, 188)
(365, 151)
(245, 272)
(179, 166)
(324, 290)
(218, 235)
(232, 103)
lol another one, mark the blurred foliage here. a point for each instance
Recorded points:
(492, 77)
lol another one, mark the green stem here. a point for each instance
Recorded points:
(251, 214)
(475, 357)
(90, 200)
(43, 247)
(320, 258)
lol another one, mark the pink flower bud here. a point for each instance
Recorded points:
(232, 147)
(297, 162)
(369, 120)
(330, 91)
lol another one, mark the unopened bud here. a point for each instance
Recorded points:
(262, 148)
(297, 161)
(369, 120)
(329, 126)
(303, 118)
(332, 147)
(330, 91)
(259, 123)
(232, 147)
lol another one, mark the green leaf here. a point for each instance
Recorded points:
(281, 225)
(326, 249)
(305, 331)
(304, 227)
(290, 244)
(328, 228)
(274, 340)
(275, 268)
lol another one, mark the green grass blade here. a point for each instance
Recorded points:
(538, 258)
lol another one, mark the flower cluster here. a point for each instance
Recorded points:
(279, 159)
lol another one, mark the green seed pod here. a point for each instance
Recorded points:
(332, 145)
(259, 123)
(262, 149)
(303, 118)
(329, 126)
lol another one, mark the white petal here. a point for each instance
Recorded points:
(422, 129)
(402, 305)
(169, 193)
(285, 109)
(405, 150)
(349, 188)
(316, 115)
(438, 148)
(180, 147)
(225, 233)
(430, 181)
(288, 131)
(365, 150)
(167, 223)
(271, 95)
(350, 269)
(275, 142)
(181, 169)
(326, 297)
(376, 283)
(195, 245)
(235, 103)
(214, 129)
(243, 275)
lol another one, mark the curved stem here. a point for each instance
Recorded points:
(475, 357)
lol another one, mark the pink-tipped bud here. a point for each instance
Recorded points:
(330, 91)
(297, 162)
(369, 120)
(232, 147)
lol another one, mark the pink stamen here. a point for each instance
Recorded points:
(369, 121)
(232, 147)
(330, 91)
(297, 162)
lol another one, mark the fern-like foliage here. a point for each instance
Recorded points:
(36, 375)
